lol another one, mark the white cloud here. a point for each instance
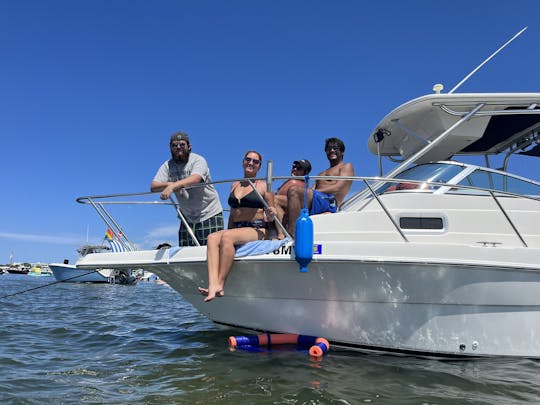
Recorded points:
(163, 232)
(54, 239)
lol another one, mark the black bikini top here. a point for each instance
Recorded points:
(250, 200)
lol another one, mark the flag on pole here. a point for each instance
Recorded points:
(115, 242)
(109, 234)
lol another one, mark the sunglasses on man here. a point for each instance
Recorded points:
(180, 145)
(330, 148)
(249, 160)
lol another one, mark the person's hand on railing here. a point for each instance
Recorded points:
(167, 191)
(270, 214)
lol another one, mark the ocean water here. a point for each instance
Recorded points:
(82, 343)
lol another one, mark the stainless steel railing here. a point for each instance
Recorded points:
(370, 193)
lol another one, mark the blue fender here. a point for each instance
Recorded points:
(303, 240)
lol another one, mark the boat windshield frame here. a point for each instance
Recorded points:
(433, 172)
(426, 177)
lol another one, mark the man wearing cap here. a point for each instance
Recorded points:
(299, 168)
(326, 195)
(200, 206)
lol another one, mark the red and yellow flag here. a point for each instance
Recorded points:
(109, 234)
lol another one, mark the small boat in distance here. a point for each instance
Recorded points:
(18, 269)
(69, 273)
(40, 270)
(66, 272)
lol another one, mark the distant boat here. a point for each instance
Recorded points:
(66, 272)
(18, 269)
(40, 271)
(70, 273)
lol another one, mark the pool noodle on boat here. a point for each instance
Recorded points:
(317, 346)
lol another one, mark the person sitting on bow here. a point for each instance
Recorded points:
(326, 195)
(248, 221)
(299, 168)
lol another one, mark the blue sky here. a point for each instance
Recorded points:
(90, 92)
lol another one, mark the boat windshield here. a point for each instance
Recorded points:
(500, 182)
(429, 172)
(87, 249)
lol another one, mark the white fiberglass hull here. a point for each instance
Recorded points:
(407, 307)
(71, 274)
(425, 307)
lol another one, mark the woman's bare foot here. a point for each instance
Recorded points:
(203, 291)
(213, 294)
(209, 296)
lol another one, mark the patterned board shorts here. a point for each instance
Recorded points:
(201, 230)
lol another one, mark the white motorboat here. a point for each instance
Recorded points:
(70, 273)
(438, 258)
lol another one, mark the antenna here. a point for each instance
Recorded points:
(486, 61)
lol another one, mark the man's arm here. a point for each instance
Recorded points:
(158, 185)
(167, 188)
(337, 187)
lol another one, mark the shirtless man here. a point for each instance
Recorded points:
(326, 195)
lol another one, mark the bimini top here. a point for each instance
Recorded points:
(500, 121)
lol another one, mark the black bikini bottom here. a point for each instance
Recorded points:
(257, 224)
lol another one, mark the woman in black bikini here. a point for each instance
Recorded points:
(248, 221)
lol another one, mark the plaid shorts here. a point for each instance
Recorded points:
(201, 230)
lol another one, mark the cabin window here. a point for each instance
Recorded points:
(420, 223)
(429, 172)
(500, 182)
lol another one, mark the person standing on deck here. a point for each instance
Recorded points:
(200, 206)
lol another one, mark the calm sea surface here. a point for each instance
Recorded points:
(84, 343)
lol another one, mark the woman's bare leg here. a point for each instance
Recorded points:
(226, 259)
(227, 250)
(212, 256)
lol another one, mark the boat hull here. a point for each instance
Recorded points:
(17, 271)
(432, 309)
(70, 274)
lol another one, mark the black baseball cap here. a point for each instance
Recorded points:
(303, 164)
